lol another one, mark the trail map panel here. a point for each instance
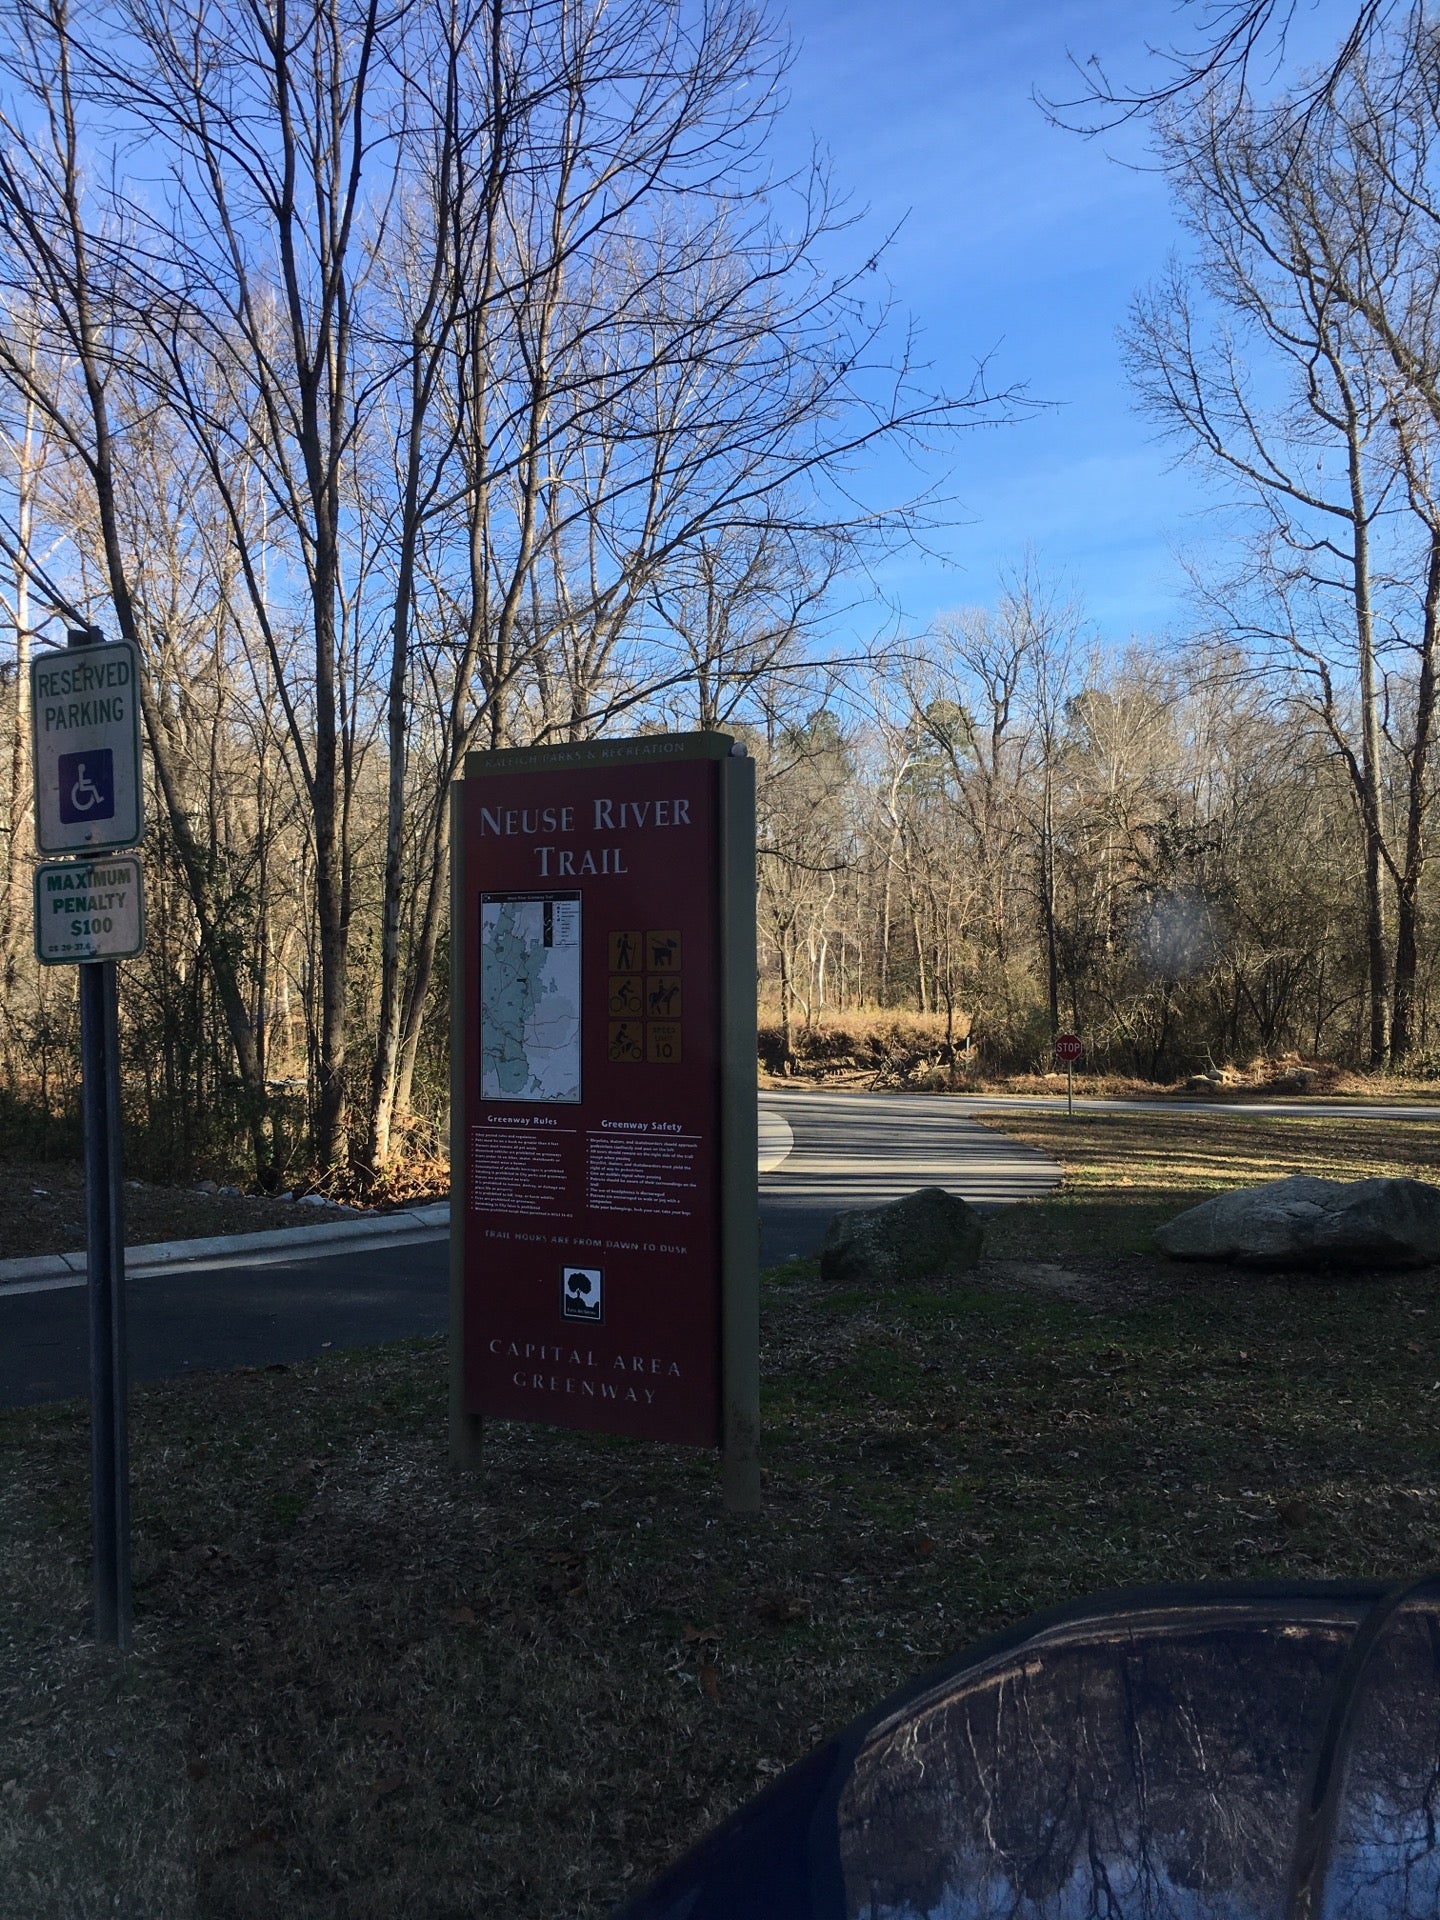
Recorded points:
(592, 1101)
(530, 996)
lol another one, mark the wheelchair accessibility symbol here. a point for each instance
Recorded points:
(87, 785)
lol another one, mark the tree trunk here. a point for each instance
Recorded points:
(15, 911)
(787, 1028)
(1402, 1035)
(1047, 897)
(1376, 942)
(384, 1073)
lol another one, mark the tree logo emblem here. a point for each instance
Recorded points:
(582, 1293)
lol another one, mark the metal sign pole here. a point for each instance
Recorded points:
(105, 1268)
(105, 1271)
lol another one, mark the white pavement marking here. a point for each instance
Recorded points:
(865, 1142)
(1277, 1109)
(776, 1139)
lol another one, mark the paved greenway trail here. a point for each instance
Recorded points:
(819, 1152)
(862, 1149)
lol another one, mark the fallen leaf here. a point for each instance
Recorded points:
(463, 1617)
(694, 1635)
(709, 1680)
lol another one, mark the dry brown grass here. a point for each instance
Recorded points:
(1127, 1172)
(905, 1049)
(849, 1043)
(367, 1687)
(1176, 1158)
(42, 1210)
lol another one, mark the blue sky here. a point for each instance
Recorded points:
(1027, 244)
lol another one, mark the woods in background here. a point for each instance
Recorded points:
(1032, 834)
(1218, 848)
(404, 381)
(448, 376)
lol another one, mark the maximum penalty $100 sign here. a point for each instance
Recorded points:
(89, 909)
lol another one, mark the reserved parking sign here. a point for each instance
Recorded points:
(85, 728)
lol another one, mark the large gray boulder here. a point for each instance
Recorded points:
(1306, 1222)
(925, 1235)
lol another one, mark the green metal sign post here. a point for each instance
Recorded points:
(90, 911)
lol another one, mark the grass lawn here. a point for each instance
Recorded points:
(367, 1686)
(1125, 1172)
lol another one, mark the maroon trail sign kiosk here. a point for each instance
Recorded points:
(604, 1210)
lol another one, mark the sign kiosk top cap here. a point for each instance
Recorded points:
(635, 750)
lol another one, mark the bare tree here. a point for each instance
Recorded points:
(1237, 44)
(1292, 398)
(520, 392)
(63, 260)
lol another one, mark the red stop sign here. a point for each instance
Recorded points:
(1068, 1047)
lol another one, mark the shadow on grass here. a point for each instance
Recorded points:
(366, 1684)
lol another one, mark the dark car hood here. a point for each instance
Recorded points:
(1253, 1751)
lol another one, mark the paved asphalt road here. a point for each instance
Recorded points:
(848, 1150)
(861, 1149)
